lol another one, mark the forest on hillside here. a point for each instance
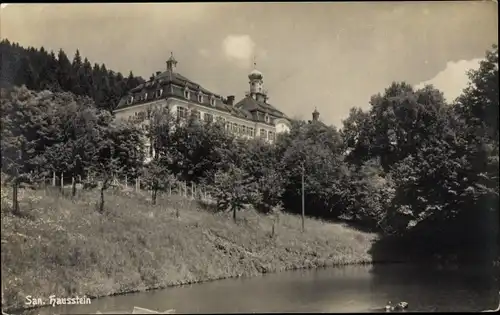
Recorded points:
(39, 69)
(420, 171)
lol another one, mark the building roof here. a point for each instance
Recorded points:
(164, 80)
(252, 105)
(255, 74)
(173, 84)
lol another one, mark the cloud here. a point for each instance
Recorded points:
(204, 52)
(453, 79)
(239, 49)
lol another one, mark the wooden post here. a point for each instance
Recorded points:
(138, 183)
(303, 200)
(126, 181)
(62, 180)
(169, 189)
(192, 190)
(54, 179)
(72, 181)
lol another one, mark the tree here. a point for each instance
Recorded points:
(262, 161)
(77, 74)
(23, 127)
(478, 105)
(324, 169)
(27, 74)
(159, 131)
(86, 79)
(370, 193)
(40, 70)
(128, 146)
(234, 189)
(64, 71)
(77, 122)
(105, 165)
(356, 131)
(156, 177)
(196, 150)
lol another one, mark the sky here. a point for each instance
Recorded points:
(329, 56)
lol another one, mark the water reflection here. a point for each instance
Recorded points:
(343, 289)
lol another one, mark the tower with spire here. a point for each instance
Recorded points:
(315, 114)
(171, 63)
(257, 91)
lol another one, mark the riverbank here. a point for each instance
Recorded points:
(64, 247)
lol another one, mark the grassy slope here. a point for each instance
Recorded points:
(67, 248)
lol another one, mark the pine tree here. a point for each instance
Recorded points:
(77, 74)
(48, 73)
(27, 75)
(40, 70)
(86, 79)
(64, 71)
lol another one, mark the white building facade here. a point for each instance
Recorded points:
(251, 117)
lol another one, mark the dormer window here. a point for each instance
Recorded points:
(186, 93)
(267, 119)
(145, 96)
(130, 100)
(212, 100)
(200, 98)
(159, 93)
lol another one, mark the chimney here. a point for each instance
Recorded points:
(158, 73)
(315, 115)
(230, 100)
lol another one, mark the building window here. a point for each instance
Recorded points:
(181, 112)
(186, 94)
(208, 117)
(233, 127)
(212, 101)
(263, 134)
(159, 93)
(200, 98)
(221, 120)
(251, 132)
(267, 118)
(141, 116)
(130, 100)
(196, 114)
(271, 136)
(245, 130)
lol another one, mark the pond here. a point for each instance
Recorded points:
(336, 289)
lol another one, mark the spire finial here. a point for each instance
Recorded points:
(172, 54)
(254, 62)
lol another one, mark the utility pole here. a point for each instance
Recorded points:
(303, 202)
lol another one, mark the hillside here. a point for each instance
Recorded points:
(66, 247)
